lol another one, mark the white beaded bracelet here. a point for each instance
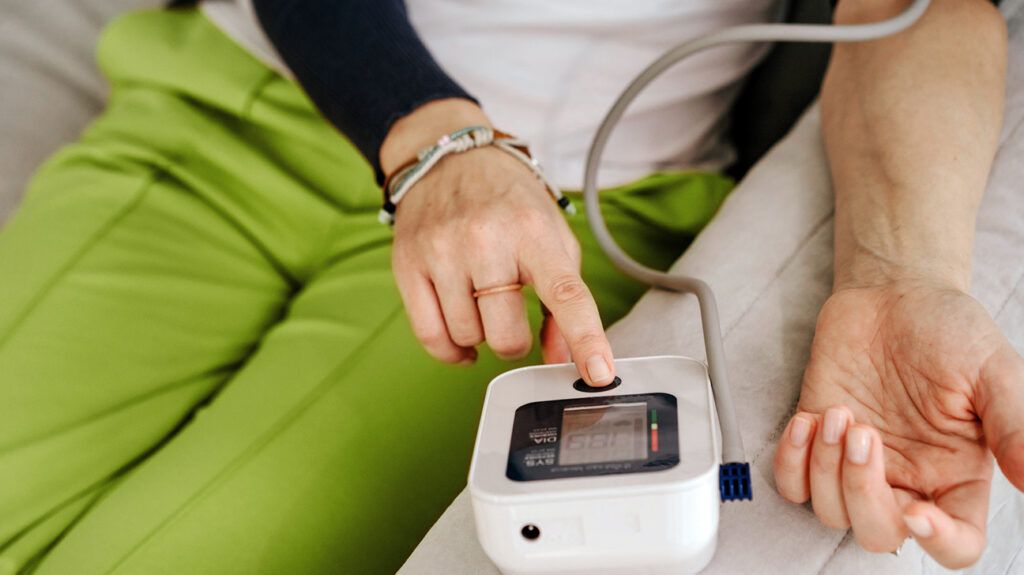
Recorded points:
(469, 138)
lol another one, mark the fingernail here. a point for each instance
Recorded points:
(835, 424)
(919, 525)
(799, 431)
(467, 361)
(598, 369)
(858, 445)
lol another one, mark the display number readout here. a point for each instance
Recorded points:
(603, 433)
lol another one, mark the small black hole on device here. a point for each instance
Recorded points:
(530, 532)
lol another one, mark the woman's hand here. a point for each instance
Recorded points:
(481, 219)
(909, 388)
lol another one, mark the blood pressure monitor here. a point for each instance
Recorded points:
(568, 478)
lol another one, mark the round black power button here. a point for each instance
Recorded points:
(580, 385)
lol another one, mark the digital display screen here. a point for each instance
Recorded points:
(602, 433)
(593, 436)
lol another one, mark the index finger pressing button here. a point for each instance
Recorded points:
(562, 290)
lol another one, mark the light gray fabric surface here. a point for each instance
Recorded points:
(49, 85)
(768, 255)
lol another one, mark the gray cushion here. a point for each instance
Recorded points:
(49, 85)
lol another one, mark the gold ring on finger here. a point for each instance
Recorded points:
(497, 289)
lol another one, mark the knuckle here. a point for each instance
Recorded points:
(857, 484)
(963, 561)
(821, 465)
(789, 481)
(403, 254)
(530, 219)
(792, 494)
(438, 244)
(832, 520)
(589, 341)
(432, 339)
(479, 234)
(511, 346)
(787, 465)
(568, 289)
(466, 336)
(873, 544)
(400, 262)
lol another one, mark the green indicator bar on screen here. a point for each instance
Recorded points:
(654, 416)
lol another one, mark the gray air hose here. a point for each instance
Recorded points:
(735, 478)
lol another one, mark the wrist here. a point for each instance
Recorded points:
(869, 268)
(424, 126)
(879, 245)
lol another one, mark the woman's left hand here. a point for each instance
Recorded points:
(909, 388)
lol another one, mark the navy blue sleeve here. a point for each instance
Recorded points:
(360, 61)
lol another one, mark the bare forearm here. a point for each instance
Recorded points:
(911, 124)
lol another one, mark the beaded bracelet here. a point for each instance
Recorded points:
(403, 179)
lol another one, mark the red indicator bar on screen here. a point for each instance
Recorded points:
(654, 430)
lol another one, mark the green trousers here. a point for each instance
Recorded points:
(205, 366)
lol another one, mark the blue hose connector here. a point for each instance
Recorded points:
(734, 481)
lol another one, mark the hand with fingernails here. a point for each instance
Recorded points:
(475, 229)
(910, 390)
